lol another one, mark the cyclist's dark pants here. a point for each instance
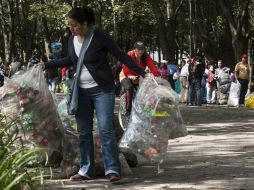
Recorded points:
(129, 89)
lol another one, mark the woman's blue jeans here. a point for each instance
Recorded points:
(103, 103)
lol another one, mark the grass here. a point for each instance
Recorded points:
(14, 159)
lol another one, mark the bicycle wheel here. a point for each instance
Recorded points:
(122, 116)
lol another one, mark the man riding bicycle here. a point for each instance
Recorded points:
(129, 79)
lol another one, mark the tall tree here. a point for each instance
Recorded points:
(167, 25)
(7, 18)
(50, 16)
(236, 13)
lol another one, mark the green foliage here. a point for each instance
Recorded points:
(236, 10)
(55, 15)
(135, 21)
(14, 158)
(220, 26)
(26, 25)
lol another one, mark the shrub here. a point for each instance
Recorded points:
(14, 158)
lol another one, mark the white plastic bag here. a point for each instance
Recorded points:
(234, 94)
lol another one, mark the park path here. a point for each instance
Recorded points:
(218, 154)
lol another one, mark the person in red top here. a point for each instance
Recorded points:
(129, 79)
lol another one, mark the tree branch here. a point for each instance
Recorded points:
(200, 27)
(178, 8)
(227, 12)
(243, 15)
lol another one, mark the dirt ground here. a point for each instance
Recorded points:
(217, 154)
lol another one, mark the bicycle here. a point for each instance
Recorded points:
(123, 116)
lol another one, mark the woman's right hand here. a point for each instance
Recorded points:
(40, 64)
(149, 75)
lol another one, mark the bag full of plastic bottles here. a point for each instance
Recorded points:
(155, 118)
(27, 97)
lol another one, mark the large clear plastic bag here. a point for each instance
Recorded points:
(26, 96)
(155, 118)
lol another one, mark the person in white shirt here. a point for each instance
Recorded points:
(184, 81)
(219, 69)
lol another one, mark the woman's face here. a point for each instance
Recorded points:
(77, 28)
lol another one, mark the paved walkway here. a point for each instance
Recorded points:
(218, 153)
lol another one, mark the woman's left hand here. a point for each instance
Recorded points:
(149, 75)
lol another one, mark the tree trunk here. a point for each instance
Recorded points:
(7, 48)
(46, 46)
(162, 30)
(2, 33)
(240, 45)
(29, 31)
(237, 26)
(47, 39)
(13, 50)
(171, 28)
(6, 27)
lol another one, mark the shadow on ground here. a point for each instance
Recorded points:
(218, 153)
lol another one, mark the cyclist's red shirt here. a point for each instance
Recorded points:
(148, 61)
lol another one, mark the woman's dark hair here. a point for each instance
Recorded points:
(82, 14)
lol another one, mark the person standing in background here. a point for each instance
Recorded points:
(211, 86)
(219, 68)
(172, 69)
(242, 75)
(184, 81)
(196, 72)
